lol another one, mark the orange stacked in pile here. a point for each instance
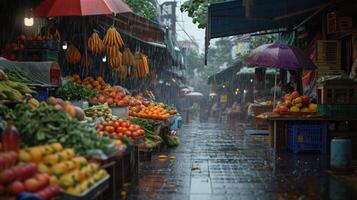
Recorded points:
(156, 112)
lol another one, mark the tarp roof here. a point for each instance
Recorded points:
(225, 74)
(248, 16)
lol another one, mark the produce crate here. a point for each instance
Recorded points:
(337, 110)
(307, 138)
(92, 193)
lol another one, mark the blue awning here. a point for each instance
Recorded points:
(249, 16)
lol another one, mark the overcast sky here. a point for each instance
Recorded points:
(185, 23)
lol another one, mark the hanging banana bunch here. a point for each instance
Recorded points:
(73, 56)
(95, 44)
(115, 61)
(141, 66)
(113, 38)
(123, 72)
(128, 57)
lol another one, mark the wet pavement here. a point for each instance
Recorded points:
(216, 163)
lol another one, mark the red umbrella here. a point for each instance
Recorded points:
(51, 8)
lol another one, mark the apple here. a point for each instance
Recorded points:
(7, 176)
(305, 99)
(31, 169)
(13, 156)
(43, 180)
(2, 163)
(16, 187)
(32, 185)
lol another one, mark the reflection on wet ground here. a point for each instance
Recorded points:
(214, 163)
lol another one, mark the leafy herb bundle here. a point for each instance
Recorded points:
(73, 91)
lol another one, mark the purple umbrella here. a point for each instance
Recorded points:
(279, 56)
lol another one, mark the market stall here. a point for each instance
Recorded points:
(79, 136)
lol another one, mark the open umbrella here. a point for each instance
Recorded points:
(51, 8)
(279, 56)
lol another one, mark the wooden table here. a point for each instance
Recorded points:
(278, 128)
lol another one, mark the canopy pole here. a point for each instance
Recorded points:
(275, 83)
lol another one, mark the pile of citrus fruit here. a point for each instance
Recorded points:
(155, 112)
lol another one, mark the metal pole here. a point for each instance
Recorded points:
(275, 82)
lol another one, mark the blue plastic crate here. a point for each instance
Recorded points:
(42, 94)
(307, 138)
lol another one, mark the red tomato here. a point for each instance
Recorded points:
(110, 123)
(116, 124)
(120, 120)
(137, 127)
(109, 129)
(101, 133)
(100, 126)
(136, 134)
(131, 128)
(124, 129)
(127, 133)
(124, 124)
(141, 132)
(119, 130)
(120, 135)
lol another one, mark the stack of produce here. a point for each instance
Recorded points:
(73, 56)
(113, 41)
(68, 107)
(98, 83)
(120, 128)
(156, 112)
(16, 178)
(95, 44)
(141, 68)
(101, 110)
(47, 124)
(152, 139)
(72, 173)
(17, 75)
(75, 92)
(11, 90)
(294, 103)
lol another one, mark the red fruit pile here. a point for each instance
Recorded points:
(17, 178)
(120, 128)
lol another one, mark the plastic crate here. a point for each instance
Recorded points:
(337, 110)
(42, 94)
(307, 138)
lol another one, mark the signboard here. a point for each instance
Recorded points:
(223, 98)
(168, 15)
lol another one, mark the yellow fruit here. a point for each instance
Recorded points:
(305, 110)
(57, 147)
(42, 168)
(78, 175)
(97, 177)
(54, 181)
(298, 100)
(103, 173)
(83, 186)
(36, 154)
(68, 154)
(313, 107)
(59, 169)
(74, 191)
(66, 181)
(33, 102)
(51, 160)
(299, 105)
(94, 167)
(80, 162)
(24, 156)
(48, 150)
(294, 109)
(70, 165)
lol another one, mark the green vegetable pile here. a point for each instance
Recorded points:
(17, 75)
(47, 125)
(73, 91)
(172, 141)
(152, 139)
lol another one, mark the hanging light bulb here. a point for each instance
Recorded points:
(104, 59)
(245, 91)
(251, 80)
(64, 45)
(28, 20)
(161, 81)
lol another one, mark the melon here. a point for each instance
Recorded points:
(68, 108)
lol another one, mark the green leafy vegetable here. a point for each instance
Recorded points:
(73, 91)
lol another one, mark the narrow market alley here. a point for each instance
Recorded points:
(214, 163)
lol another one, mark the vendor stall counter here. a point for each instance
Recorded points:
(337, 127)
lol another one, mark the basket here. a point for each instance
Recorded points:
(307, 138)
(337, 110)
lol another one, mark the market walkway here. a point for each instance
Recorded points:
(214, 163)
